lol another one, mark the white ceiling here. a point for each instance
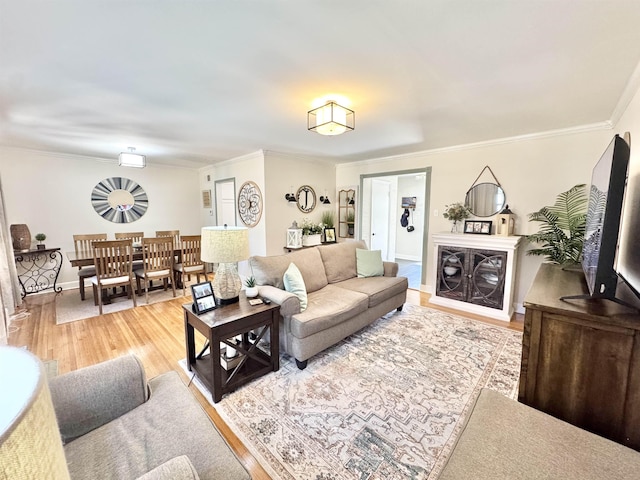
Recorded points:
(196, 82)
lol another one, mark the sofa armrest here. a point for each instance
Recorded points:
(90, 397)
(289, 303)
(178, 468)
(390, 269)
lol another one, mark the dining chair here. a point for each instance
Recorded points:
(113, 260)
(82, 244)
(158, 258)
(136, 237)
(190, 262)
(175, 234)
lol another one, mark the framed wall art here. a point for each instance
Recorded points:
(206, 199)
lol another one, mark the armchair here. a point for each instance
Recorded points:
(116, 425)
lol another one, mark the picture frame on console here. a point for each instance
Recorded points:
(478, 227)
(204, 300)
(329, 235)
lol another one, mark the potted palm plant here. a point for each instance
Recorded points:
(562, 227)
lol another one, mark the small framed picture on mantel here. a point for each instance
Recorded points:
(478, 227)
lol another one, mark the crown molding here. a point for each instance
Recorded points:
(606, 125)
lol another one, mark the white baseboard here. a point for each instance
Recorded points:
(411, 258)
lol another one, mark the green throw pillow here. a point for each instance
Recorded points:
(369, 263)
(294, 283)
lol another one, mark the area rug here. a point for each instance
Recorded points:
(70, 308)
(385, 403)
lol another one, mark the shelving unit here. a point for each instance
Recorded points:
(346, 212)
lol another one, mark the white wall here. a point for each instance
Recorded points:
(51, 193)
(532, 171)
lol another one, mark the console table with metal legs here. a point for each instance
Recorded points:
(38, 270)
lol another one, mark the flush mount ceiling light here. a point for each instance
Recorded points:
(330, 119)
(131, 159)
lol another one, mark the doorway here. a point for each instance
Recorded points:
(225, 202)
(398, 229)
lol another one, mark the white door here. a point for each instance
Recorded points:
(226, 202)
(380, 204)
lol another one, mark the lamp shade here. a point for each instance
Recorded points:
(331, 119)
(30, 445)
(224, 244)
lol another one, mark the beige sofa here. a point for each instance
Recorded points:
(506, 440)
(339, 302)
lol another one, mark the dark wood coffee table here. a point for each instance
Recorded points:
(222, 324)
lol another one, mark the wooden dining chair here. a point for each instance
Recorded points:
(135, 237)
(82, 245)
(190, 262)
(175, 234)
(113, 260)
(158, 259)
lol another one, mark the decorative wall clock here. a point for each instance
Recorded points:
(250, 204)
(119, 200)
(306, 199)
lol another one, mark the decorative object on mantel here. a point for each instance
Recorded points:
(480, 227)
(250, 204)
(294, 236)
(485, 199)
(119, 200)
(41, 237)
(20, 236)
(330, 119)
(505, 222)
(311, 233)
(562, 227)
(456, 212)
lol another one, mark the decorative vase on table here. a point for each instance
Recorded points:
(20, 236)
(454, 227)
(311, 240)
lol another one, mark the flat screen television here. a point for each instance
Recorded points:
(606, 196)
(628, 262)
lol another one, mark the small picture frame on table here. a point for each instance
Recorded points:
(329, 235)
(478, 227)
(204, 299)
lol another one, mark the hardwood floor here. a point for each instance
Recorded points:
(155, 333)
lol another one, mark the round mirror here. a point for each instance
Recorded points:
(485, 199)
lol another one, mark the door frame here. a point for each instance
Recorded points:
(218, 186)
(427, 208)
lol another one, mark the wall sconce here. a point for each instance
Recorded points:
(352, 200)
(325, 200)
(291, 197)
(131, 159)
(330, 119)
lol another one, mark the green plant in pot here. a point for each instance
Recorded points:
(328, 219)
(562, 227)
(350, 219)
(252, 289)
(41, 237)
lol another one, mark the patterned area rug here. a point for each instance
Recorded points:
(386, 403)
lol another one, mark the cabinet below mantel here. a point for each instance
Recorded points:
(475, 273)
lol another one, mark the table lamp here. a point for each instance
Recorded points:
(225, 246)
(30, 445)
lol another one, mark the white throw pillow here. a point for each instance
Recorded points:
(369, 263)
(294, 283)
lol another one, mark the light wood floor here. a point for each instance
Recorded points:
(155, 333)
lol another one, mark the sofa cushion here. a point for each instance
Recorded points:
(378, 289)
(270, 270)
(178, 468)
(294, 283)
(169, 424)
(327, 307)
(369, 263)
(339, 260)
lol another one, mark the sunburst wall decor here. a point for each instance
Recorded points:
(119, 200)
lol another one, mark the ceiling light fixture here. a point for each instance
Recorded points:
(330, 119)
(132, 159)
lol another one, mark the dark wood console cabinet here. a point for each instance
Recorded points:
(581, 358)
